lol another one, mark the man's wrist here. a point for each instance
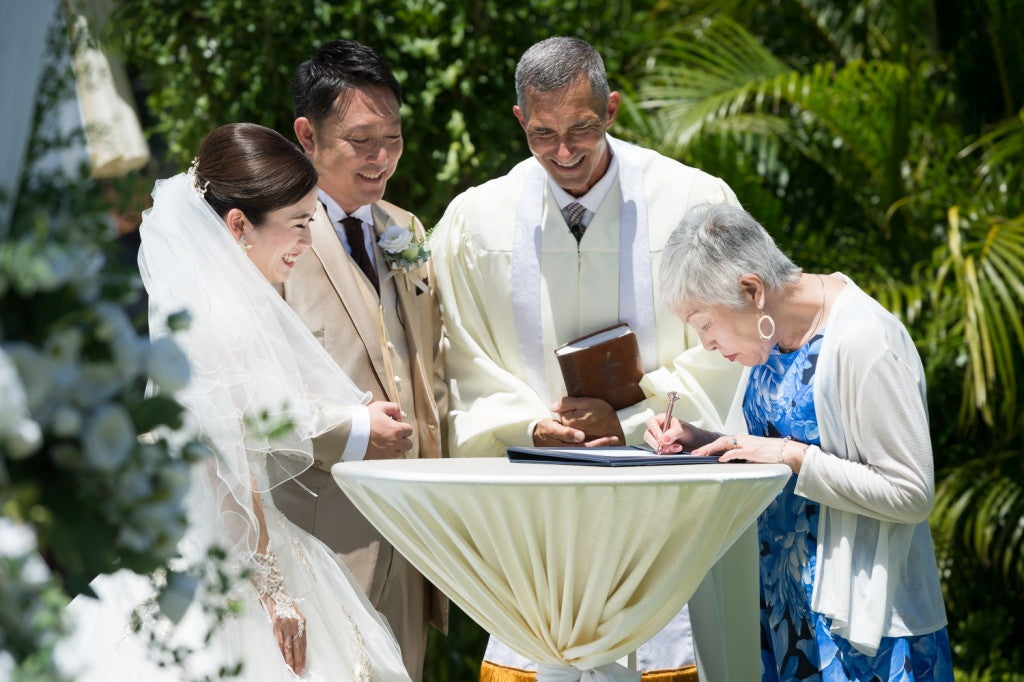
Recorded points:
(531, 430)
(359, 435)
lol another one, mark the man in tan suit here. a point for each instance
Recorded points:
(380, 323)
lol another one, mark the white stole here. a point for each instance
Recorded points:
(636, 288)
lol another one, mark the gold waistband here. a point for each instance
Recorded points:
(490, 672)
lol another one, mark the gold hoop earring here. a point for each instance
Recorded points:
(771, 322)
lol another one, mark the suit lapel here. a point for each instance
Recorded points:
(356, 294)
(381, 221)
(405, 302)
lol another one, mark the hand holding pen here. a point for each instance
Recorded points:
(672, 397)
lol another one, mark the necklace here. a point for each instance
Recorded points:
(821, 310)
(817, 320)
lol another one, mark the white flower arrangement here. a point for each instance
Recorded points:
(402, 250)
(73, 372)
(19, 435)
(108, 438)
(28, 592)
(167, 365)
(88, 471)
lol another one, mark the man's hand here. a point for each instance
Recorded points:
(389, 435)
(552, 433)
(593, 416)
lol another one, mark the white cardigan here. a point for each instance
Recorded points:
(873, 476)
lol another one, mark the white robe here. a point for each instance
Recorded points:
(493, 402)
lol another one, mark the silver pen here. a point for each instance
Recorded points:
(672, 397)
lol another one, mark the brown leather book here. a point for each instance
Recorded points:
(604, 364)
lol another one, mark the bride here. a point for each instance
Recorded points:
(212, 244)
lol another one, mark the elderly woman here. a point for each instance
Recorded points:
(834, 390)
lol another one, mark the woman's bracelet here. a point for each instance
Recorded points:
(781, 457)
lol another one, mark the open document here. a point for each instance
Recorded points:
(608, 456)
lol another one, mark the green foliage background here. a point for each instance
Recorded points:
(209, 62)
(883, 139)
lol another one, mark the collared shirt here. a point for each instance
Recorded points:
(359, 435)
(592, 199)
(337, 214)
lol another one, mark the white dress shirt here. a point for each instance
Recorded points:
(592, 199)
(359, 437)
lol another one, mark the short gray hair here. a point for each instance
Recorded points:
(555, 63)
(711, 248)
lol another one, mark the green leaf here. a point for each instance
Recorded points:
(155, 411)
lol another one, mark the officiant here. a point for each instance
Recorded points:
(569, 242)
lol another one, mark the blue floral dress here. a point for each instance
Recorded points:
(795, 642)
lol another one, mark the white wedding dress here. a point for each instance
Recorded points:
(249, 354)
(346, 639)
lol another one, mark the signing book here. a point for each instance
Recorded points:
(609, 456)
(604, 364)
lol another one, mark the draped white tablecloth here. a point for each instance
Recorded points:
(568, 565)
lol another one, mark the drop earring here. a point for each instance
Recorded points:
(242, 245)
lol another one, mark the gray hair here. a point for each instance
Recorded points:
(555, 63)
(711, 248)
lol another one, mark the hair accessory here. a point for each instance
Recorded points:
(771, 322)
(194, 177)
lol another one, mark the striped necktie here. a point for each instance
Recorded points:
(574, 218)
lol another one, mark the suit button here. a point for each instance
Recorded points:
(318, 463)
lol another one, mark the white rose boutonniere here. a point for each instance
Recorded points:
(401, 249)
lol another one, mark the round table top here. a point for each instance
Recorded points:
(568, 564)
(501, 472)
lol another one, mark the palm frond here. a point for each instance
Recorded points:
(709, 74)
(979, 506)
(1002, 152)
(904, 299)
(980, 283)
(720, 80)
(839, 28)
(856, 105)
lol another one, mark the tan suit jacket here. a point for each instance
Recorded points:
(340, 307)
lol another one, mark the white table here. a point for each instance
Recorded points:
(572, 565)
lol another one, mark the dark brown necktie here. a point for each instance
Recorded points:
(574, 219)
(356, 242)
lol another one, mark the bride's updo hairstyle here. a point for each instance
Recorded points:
(251, 168)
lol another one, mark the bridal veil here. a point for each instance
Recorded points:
(255, 366)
